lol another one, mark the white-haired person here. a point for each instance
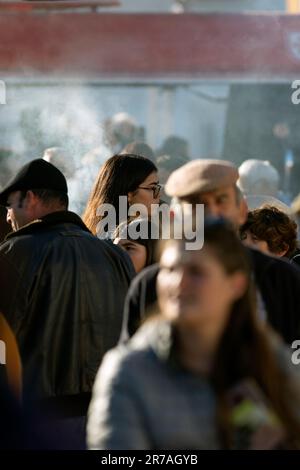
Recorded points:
(258, 177)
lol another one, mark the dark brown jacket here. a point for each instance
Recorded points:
(62, 292)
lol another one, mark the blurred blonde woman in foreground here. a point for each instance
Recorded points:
(204, 373)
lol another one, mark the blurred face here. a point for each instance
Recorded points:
(221, 202)
(17, 211)
(252, 241)
(137, 252)
(147, 193)
(194, 289)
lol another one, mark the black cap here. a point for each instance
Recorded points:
(37, 174)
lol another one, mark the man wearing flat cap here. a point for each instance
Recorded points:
(213, 183)
(58, 293)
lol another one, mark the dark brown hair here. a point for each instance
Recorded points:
(118, 176)
(274, 227)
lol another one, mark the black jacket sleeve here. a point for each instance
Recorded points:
(140, 298)
(279, 284)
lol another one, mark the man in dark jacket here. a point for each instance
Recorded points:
(213, 183)
(62, 289)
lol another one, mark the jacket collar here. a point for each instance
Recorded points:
(55, 218)
(160, 335)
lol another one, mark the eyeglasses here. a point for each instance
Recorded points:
(156, 189)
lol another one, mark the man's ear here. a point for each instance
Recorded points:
(283, 251)
(243, 211)
(130, 196)
(31, 200)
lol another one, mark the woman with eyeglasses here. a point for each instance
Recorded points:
(127, 175)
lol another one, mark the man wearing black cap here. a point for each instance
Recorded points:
(58, 287)
(38, 189)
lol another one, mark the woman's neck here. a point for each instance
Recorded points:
(197, 347)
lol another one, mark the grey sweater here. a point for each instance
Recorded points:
(142, 399)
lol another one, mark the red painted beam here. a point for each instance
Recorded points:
(28, 6)
(149, 46)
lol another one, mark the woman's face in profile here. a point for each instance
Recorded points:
(147, 193)
(194, 288)
(136, 251)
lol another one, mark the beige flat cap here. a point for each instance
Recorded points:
(201, 176)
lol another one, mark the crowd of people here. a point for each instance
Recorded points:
(117, 337)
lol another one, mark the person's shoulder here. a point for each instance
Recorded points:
(13, 244)
(273, 265)
(150, 272)
(125, 362)
(140, 349)
(117, 256)
(147, 276)
(289, 270)
(295, 259)
(286, 357)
